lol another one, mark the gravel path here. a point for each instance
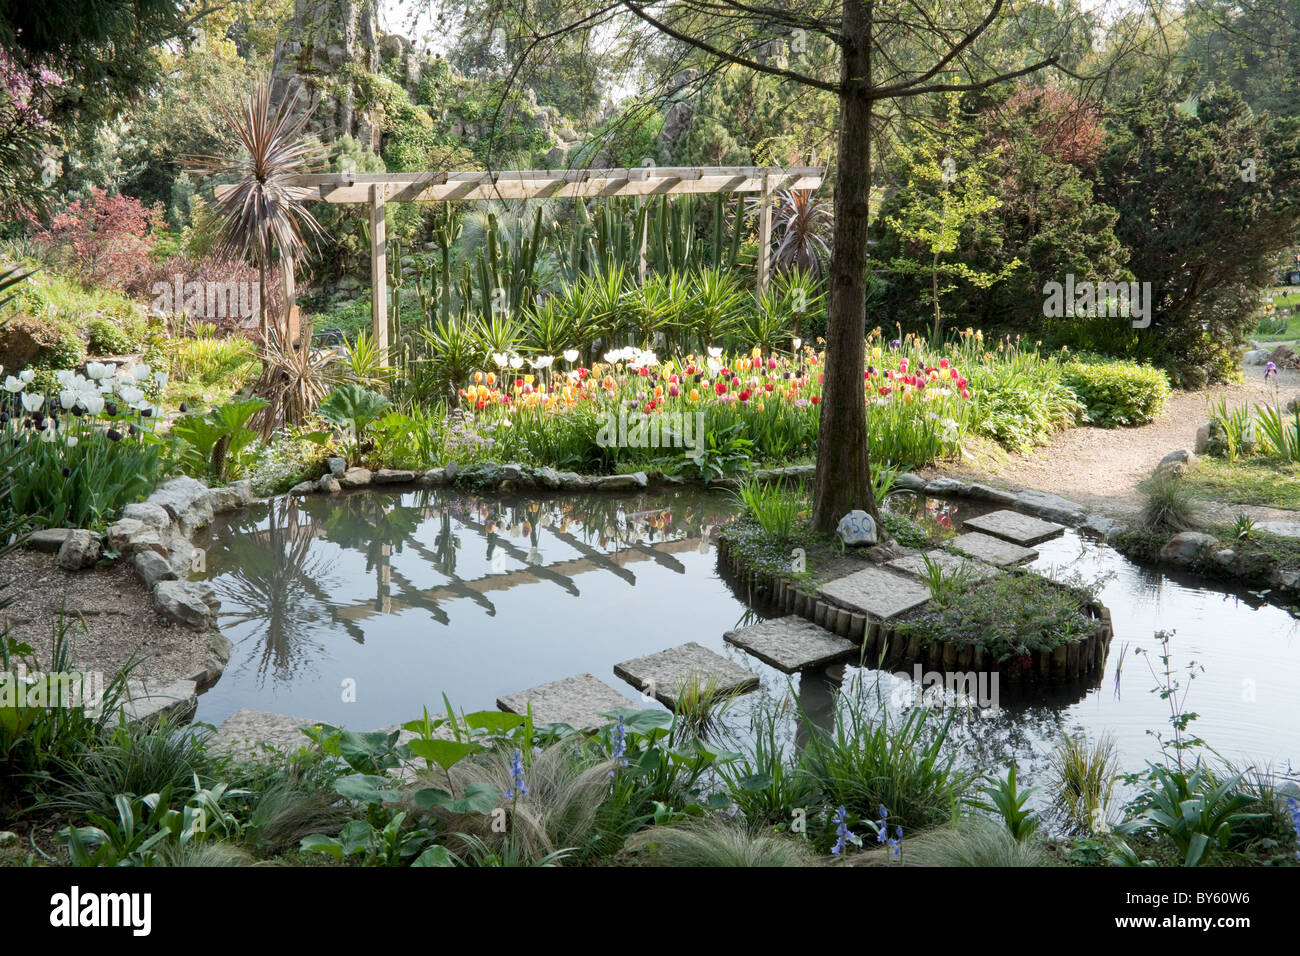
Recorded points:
(1102, 467)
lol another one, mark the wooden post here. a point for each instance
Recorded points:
(645, 238)
(291, 316)
(378, 271)
(764, 233)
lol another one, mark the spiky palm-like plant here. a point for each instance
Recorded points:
(802, 223)
(264, 211)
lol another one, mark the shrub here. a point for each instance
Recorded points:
(1118, 393)
(974, 842)
(105, 338)
(1170, 504)
(714, 841)
(105, 239)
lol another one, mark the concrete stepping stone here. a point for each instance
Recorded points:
(1014, 527)
(578, 701)
(878, 593)
(246, 734)
(663, 675)
(993, 550)
(791, 643)
(950, 564)
(147, 702)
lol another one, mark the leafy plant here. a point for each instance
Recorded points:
(353, 408)
(1008, 801)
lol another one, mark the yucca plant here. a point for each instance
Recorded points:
(716, 306)
(801, 223)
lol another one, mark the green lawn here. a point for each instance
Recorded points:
(1249, 481)
(1283, 300)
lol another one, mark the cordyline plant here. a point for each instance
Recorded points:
(263, 211)
(802, 222)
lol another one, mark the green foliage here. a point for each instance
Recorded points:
(974, 842)
(775, 508)
(354, 409)
(1008, 801)
(1170, 504)
(1084, 773)
(218, 444)
(715, 842)
(1118, 394)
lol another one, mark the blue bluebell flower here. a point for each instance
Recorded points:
(1293, 807)
(882, 831)
(620, 745)
(517, 776)
(896, 842)
(842, 834)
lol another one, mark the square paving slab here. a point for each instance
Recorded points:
(914, 564)
(663, 675)
(578, 701)
(1014, 527)
(993, 550)
(878, 593)
(791, 643)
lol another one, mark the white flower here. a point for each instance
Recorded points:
(715, 353)
(571, 355)
(130, 394)
(14, 385)
(612, 357)
(516, 361)
(65, 377)
(68, 398)
(93, 402)
(543, 361)
(501, 359)
(72, 440)
(32, 402)
(140, 372)
(27, 375)
(96, 370)
(796, 343)
(161, 379)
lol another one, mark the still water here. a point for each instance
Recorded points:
(360, 610)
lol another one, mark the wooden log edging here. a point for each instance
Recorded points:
(1080, 660)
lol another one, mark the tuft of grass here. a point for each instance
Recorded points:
(775, 508)
(715, 841)
(1170, 504)
(1247, 481)
(974, 842)
(700, 704)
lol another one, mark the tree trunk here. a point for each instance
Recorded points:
(843, 481)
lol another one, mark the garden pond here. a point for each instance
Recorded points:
(363, 609)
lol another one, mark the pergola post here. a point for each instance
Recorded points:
(764, 232)
(291, 317)
(378, 271)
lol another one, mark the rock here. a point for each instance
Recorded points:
(791, 644)
(909, 482)
(120, 532)
(393, 476)
(184, 602)
(579, 701)
(1225, 557)
(451, 469)
(1182, 456)
(618, 483)
(79, 550)
(329, 485)
(186, 501)
(356, 478)
(303, 488)
(1255, 357)
(336, 466)
(49, 540)
(1049, 506)
(1170, 469)
(549, 477)
(1100, 525)
(879, 593)
(666, 674)
(641, 479)
(147, 702)
(988, 493)
(511, 472)
(1284, 529)
(945, 486)
(146, 539)
(230, 497)
(8, 838)
(572, 481)
(148, 514)
(152, 568)
(1015, 527)
(1285, 578)
(1285, 357)
(1185, 547)
(1293, 404)
(220, 648)
(857, 528)
(1202, 445)
(434, 478)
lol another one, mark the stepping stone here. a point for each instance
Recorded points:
(147, 703)
(877, 593)
(1014, 527)
(663, 675)
(791, 643)
(578, 701)
(950, 564)
(993, 550)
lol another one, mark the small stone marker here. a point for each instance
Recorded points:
(663, 675)
(914, 564)
(577, 701)
(993, 550)
(877, 593)
(856, 528)
(791, 643)
(1014, 527)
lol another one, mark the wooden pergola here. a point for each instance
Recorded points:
(378, 189)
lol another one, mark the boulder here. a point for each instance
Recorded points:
(618, 483)
(355, 478)
(1255, 357)
(451, 470)
(945, 486)
(1283, 529)
(121, 532)
(1185, 547)
(149, 514)
(79, 550)
(303, 488)
(230, 497)
(1285, 357)
(511, 472)
(1100, 525)
(186, 500)
(434, 478)
(1182, 456)
(1049, 506)
(329, 485)
(185, 602)
(1203, 438)
(393, 476)
(152, 568)
(49, 540)
(1225, 558)
(1287, 579)
(857, 528)
(909, 482)
(337, 466)
(988, 493)
(548, 477)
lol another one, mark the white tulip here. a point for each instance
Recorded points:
(571, 355)
(501, 359)
(130, 394)
(68, 398)
(141, 372)
(93, 402)
(14, 385)
(72, 440)
(65, 377)
(27, 375)
(715, 353)
(161, 379)
(543, 361)
(516, 361)
(32, 402)
(95, 370)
